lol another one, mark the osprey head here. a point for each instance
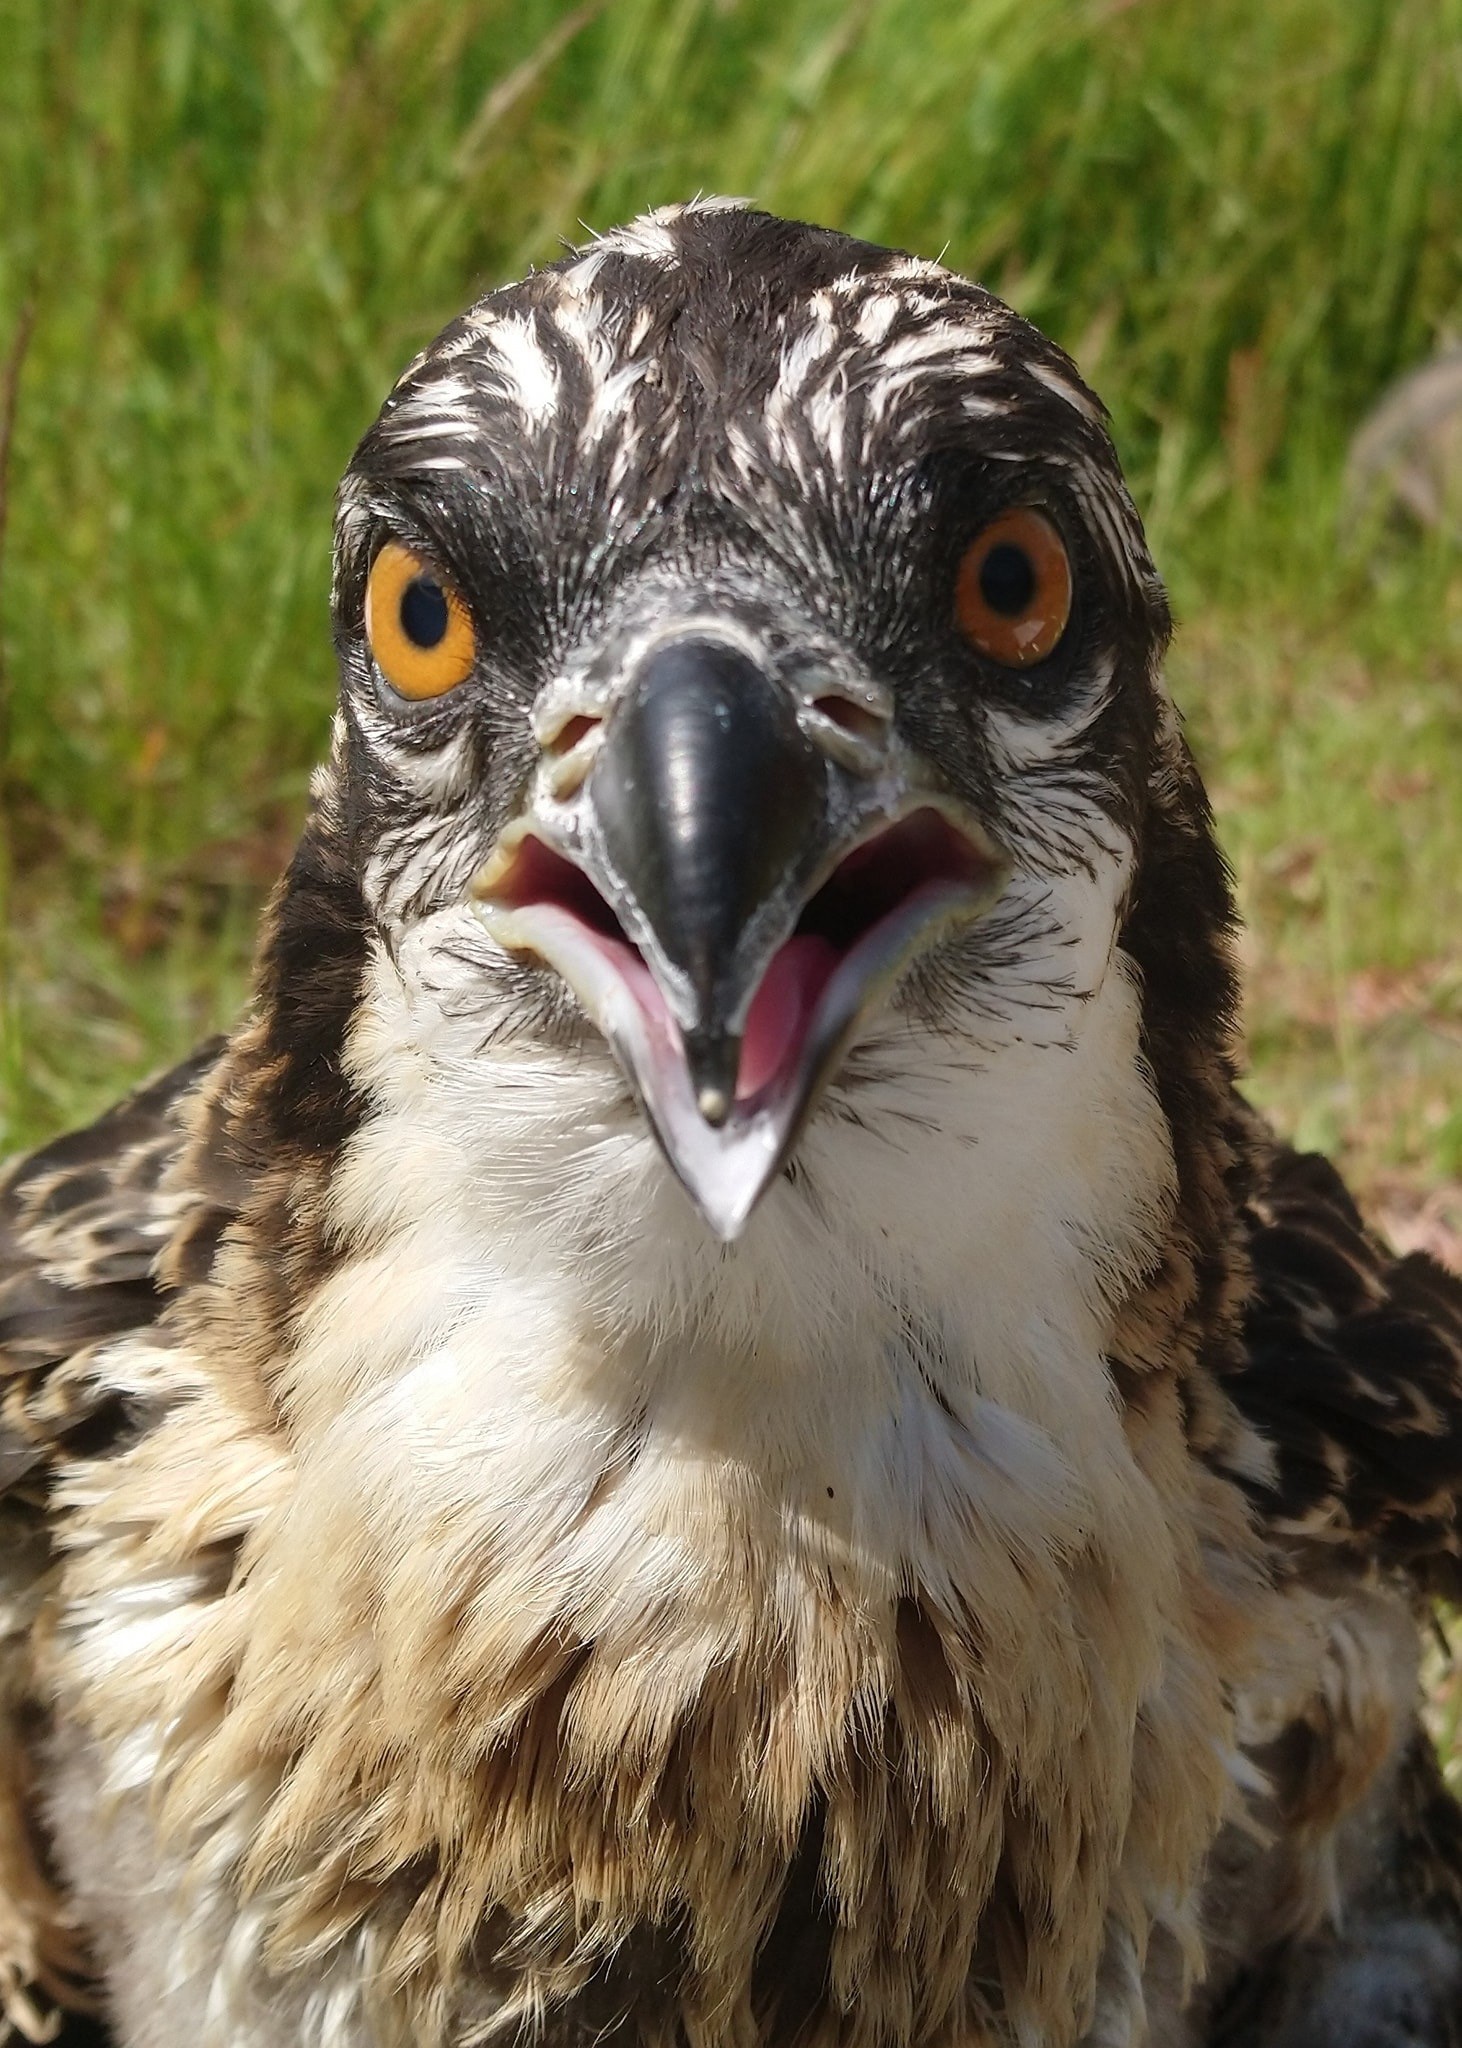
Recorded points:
(749, 654)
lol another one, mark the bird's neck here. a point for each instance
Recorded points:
(825, 1592)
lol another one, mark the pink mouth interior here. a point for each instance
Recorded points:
(875, 880)
(782, 1010)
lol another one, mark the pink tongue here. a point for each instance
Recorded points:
(781, 1010)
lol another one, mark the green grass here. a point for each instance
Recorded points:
(1329, 722)
(235, 223)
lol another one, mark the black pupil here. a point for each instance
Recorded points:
(1008, 580)
(424, 612)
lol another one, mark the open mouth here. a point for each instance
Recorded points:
(884, 900)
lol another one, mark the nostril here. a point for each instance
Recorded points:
(856, 720)
(566, 758)
(570, 733)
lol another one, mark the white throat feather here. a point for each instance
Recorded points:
(653, 1557)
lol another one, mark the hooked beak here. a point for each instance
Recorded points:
(728, 900)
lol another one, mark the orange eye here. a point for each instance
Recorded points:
(417, 625)
(1012, 595)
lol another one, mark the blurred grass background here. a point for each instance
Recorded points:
(224, 229)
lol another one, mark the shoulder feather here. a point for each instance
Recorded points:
(1352, 1371)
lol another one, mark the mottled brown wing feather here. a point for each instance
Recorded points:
(82, 1224)
(1353, 1373)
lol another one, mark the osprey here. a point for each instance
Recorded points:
(714, 1425)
